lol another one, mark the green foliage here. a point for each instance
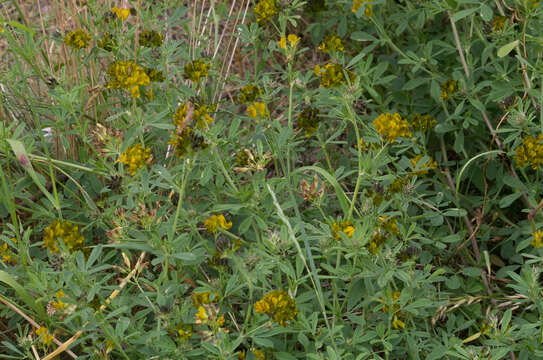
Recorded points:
(366, 172)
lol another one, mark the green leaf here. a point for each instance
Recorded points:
(455, 212)
(463, 13)
(509, 199)
(506, 49)
(486, 12)
(472, 271)
(20, 152)
(23, 294)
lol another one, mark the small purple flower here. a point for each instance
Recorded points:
(24, 160)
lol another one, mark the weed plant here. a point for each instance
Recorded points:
(271, 179)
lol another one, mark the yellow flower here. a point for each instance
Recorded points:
(135, 157)
(358, 3)
(215, 222)
(422, 123)
(46, 337)
(331, 43)
(430, 164)
(339, 227)
(293, 39)
(278, 305)
(122, 13)
(185, 331)
(78, 39)
(332, 74)
(448, 89)
(388, 225)
(150, 38)
(391, 126)
(530, 152)
(65, 230)
(196, 70)
(538, 239)
(248, 93)
(308, 120)
(220, 321)
(107, 42)
(186, 141)
(5, 253)
(202, 117)
(259, 354)
(199, 299)
(498, 23)
(282, 43)
(127, 75)
(257, 109)
(375, 243)
(397, 323)
(265, 10)
(201, 314)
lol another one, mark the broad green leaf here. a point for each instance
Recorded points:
(506, 49)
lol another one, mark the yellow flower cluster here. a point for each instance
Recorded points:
(308, 120)
(6, 253)
(185, 331)
(422, 123)
(292, 41)
(339, 227)
(122, 13)
(498, 23)
(396, 322)
(127, 75)
(332, 74)
(46, 337)
(368, 11)
(209, 315)
(202, 117)
(248, 93)
(538, 239)
(396, 186)
(331, 43)
(150, 38)
(154, 75)
(107, 42)
(389, 225)
(377, 239)
(196, 70)
(386, 227)
(180, 115)
(214, 222)
(78, 39)
(277, 305)
(391, 126)
(431, 164)
(186, 141)
(65, 230)
(259, 354)
(199, 299)
(257, 109)
(265, 10)
(59, 304)
(449, 88)
(530, 152)
(134, 157)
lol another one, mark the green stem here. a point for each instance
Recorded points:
(359, 175)
(224, 171)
